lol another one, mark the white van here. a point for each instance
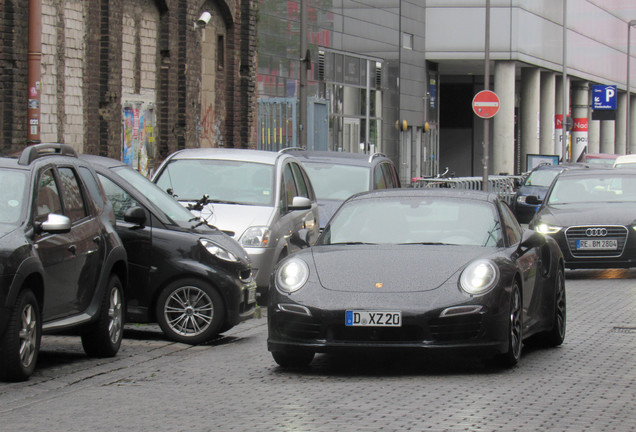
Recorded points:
(625, 161)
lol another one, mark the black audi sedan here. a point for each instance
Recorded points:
(190, 278)
(421, 269)
(592, 216)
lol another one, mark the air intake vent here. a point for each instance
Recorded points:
(321, 65)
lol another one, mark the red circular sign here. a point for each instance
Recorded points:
(486, 104)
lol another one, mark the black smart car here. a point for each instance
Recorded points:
(592, 216)
(63, 266)
(191, 278)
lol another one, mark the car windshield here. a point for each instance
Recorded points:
(13, 199)
(162, 201)
(598, 189)
(542, 177)
(337, 182)
(415, 220)
(224, 181)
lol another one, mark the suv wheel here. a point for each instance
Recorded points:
(190, 311)
(21, 341)
(104, 338)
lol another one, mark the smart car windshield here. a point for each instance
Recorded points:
(599, 189)
(415, 220)
(225, 181)
(337, 182)
(12, 184)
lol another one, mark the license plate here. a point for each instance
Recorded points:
(373, 318)
(597, 244)
(251, 294)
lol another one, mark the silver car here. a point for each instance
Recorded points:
(262, 199)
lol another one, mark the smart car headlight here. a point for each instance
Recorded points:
(292, 275)
(521, 199)
(256, 236)
(545, 228)
(479, 277)
(218, 251)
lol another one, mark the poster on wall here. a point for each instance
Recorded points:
(127, 145)
(138, 137)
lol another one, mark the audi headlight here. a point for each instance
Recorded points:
(544, 228)
(257, 236)
(218, 251)
(479, 277)
(292, 275)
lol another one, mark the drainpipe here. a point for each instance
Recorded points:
(34, 60)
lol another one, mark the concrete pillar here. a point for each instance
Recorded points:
(529, 113)
(621, 124)
(558, 146)
(632, 128)
(580, 114)
(503, 151)
(546, 140)
(606, 144)
(593, 131)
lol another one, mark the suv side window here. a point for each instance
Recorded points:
(120, 199)
(93, 188)
(300, 181)
(73, 202)
(289, 186)
(379, 182)
(389, 175)
(48, 200)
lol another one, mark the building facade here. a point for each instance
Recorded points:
(399, 76)
(130, 79)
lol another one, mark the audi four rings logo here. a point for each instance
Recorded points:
(596, 232)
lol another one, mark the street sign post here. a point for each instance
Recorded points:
(486, 104)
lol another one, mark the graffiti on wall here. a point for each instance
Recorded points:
(138, 137)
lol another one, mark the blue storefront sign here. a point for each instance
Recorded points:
(604, 97)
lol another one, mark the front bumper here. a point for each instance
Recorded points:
(478, 325)
(623, 257)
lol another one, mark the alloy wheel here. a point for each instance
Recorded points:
(115, 315)
(28, 335)
(189, 311)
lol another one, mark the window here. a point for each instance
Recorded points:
(378, 178)
(302, 186)
(92, 186)
(220, 52)
(48, 200)
(407, 41)
(121, 200)
(73, 201)
(289, 187)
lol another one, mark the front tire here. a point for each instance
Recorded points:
(515, 330)
(556, 335)
(190, 311)
(20, 344)
(104, 338)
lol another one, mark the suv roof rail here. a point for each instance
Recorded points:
(286, 149)
(375, 155)
(36, 151)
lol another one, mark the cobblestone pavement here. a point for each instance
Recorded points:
(233, 384)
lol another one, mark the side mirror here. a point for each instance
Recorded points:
(135, 215)
(300, 203)
(533, 200)
(56, 224)
(301, 238)
(531, 239)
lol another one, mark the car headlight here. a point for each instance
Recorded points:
(292, 275)
(521, 199)
(479, 277)
(218, 251)
(257, 236)
(545, 228)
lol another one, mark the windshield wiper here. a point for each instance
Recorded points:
(427, 243)
(353, 243)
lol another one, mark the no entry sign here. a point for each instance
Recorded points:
(486, 104)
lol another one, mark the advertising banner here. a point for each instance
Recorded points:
(579, 139)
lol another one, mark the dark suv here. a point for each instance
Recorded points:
(338, 175)
(62, 264)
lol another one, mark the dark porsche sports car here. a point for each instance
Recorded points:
(418, 269)
(592, 216)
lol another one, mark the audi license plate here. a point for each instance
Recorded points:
(373, 318)
(597, 244)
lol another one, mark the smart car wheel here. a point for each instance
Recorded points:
(21, 341)
(556, 335)
(104, 338)
(515, 330)
(293, 358)
(190, 311)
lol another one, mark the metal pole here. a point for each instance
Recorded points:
(629, 93)
(34, 61)
(484, 183)
(304, 66)
(564, 130)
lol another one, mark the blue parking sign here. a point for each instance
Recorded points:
(604, 97)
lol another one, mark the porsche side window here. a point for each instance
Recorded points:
(510, 224)
(48, 198)
(74, 206)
